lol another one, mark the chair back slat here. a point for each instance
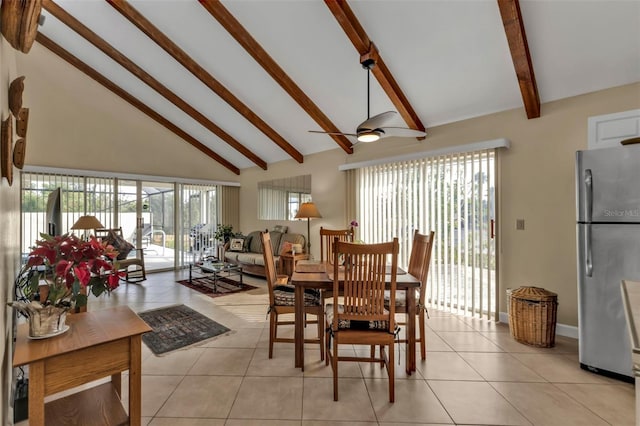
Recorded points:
(364, 280)
(420, 259)
(269, 265)
(328, 236)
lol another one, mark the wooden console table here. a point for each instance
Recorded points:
(98, 344)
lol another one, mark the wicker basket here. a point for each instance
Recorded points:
(532, 316)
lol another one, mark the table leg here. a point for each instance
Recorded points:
(135, 381)
(299, 327)
(411, 330)
(36, 393)
(190, 268)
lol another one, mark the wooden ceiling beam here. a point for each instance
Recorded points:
(365, 47)
(144, 25)
(242, 36)
(129, 65)
(517, 39)
(95, 75)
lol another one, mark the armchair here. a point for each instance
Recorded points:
(132, 266)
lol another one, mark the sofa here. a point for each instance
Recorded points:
(248, 253)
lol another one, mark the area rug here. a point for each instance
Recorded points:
(224, 286)
(178, 327)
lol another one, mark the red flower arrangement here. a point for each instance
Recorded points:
(69, 265)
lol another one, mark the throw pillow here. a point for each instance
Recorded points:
(122, 246)
(236, 244)
(286, 248)
(280, 228)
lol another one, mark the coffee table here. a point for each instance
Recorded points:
(216, 270)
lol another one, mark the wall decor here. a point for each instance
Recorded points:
(6, 144)
(19, 152)
(15, 95)
(21, 122)
(19, 23)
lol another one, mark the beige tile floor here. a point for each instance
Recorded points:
(474, 374)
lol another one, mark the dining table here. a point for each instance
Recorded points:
(319, 275)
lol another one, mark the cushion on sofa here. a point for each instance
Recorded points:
(275, 241)
(237, 244)
(260, 260)
(249, 258)
(291, 239)
(255, 244)
(231, 256)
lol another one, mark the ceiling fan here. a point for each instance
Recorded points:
(371, 129)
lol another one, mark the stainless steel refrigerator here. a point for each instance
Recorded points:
(608, 241)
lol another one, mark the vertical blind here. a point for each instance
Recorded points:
(80, 196)
(453, 195)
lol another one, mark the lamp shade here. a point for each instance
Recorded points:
(87, 222)
(308, 211)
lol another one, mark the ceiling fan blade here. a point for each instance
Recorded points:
(402, 132)
(376, 121)
(332, 133)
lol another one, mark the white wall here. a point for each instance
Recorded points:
(9, 239)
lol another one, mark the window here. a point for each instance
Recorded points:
(173, 227)
(280, 199)
(295, 201)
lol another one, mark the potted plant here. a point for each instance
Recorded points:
(224, 233)
(56, 277)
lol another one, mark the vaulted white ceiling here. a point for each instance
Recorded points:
(450, 58)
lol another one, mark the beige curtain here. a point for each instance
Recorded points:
(229, 206)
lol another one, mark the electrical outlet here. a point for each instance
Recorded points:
(520, 224)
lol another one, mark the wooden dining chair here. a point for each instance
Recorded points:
(328, 236)
(362, 318)
(282, 300)
(419, 262)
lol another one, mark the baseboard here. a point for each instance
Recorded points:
(561, 329)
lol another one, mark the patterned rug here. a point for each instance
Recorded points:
(178, 327)
(223, 286)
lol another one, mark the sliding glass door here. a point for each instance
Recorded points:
(156, 216)
(199, 222)
(453, 195)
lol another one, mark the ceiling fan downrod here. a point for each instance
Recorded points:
(368, 64)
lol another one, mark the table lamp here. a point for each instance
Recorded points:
(308, 211)
(87, 222)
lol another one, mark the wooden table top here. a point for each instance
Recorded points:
(86, 329)
(315, 274)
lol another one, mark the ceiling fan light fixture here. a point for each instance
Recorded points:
(371, 136)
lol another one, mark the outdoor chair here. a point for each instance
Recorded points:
(133, 267)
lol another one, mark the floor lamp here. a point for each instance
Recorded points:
(308, 211)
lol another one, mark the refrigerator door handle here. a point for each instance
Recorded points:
(588, 264)
(588, 192)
